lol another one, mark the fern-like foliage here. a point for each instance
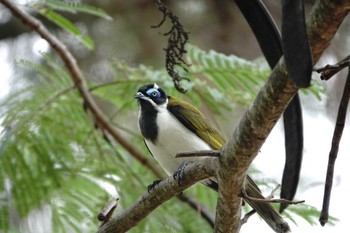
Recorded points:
(50, 8)
(52, 155)
(236, 78)
(308, 213)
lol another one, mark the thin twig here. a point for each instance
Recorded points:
(272, 194)
(107, 211)
(202, 210)
(54, 97)
(115, 82)
(247, 216)
(250, 213)
(329, 71)
(199, 153)
(338, 131)
(280, 200)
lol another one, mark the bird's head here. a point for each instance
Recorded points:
(152, 96)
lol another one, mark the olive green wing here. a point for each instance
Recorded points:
(196, 122)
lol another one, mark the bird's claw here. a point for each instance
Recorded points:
(179, 174)
(153, 185)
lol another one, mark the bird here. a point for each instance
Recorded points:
(170, 126)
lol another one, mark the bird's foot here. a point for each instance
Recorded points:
(179, 174)
(153, 185)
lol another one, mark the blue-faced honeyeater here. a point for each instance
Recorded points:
(170, 125)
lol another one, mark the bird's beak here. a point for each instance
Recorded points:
(139, 95)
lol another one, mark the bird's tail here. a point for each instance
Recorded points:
(264, 209)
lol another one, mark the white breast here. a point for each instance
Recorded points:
(173, 138)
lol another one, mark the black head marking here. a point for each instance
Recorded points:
(150, 97)
(151, 92)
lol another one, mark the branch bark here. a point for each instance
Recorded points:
(247, 139)
(162, 192)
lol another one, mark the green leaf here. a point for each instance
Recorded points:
(62, 160)
(67, 25)
(309, 213)
(233, 76)
(76, 6)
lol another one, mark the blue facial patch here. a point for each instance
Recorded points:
(153, 93)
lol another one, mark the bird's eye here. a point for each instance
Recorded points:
(153, 93)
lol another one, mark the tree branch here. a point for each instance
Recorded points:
(162, 192)
(270, 200)
(323, 22)
(200, 153)
(256, 124)
(329, 71)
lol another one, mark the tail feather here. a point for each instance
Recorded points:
(264, 209)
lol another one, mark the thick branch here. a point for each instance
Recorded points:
(162, 192)
(256, 124)
(323, 22)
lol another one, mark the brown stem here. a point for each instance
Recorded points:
(200, 153)
(338, 131)
(203, 211)
(270, 200)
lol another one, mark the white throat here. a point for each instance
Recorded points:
(173, 137)
(158, 108)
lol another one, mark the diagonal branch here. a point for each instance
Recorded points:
(162, 192)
